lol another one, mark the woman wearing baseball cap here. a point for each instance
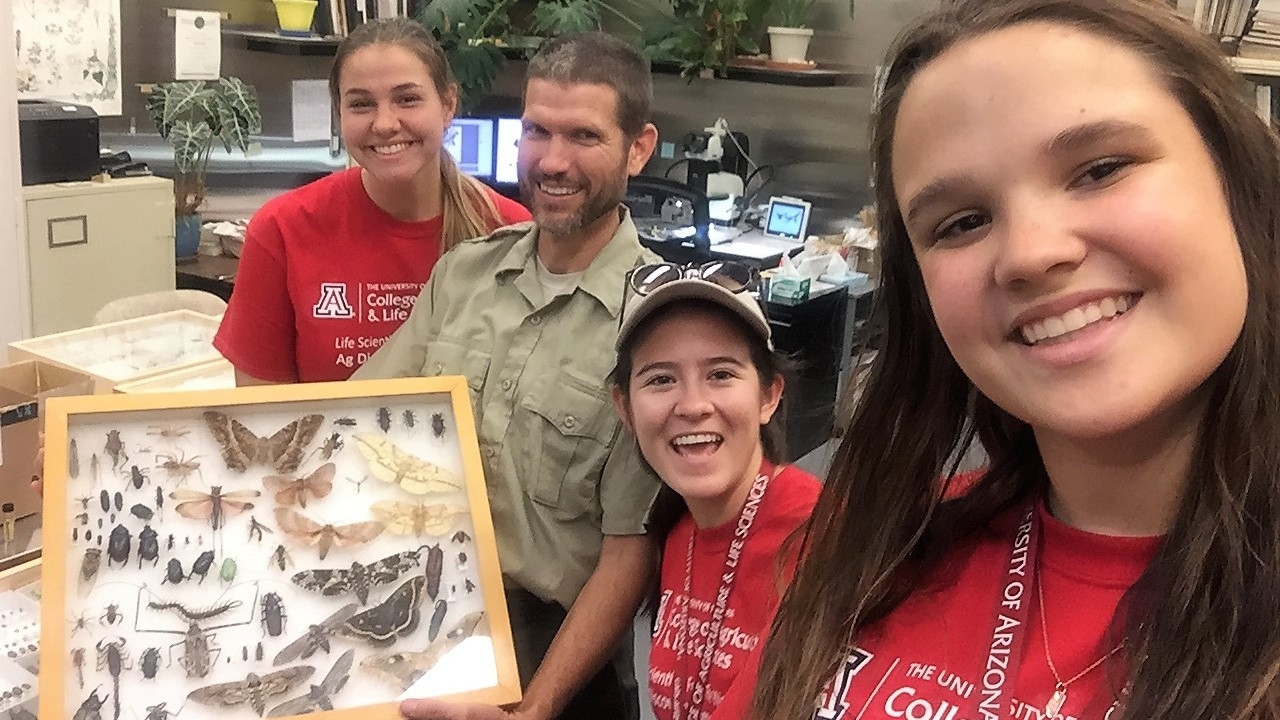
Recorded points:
(698, 382)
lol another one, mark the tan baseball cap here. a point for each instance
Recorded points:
(744, 304)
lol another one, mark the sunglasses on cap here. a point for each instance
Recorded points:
(731, 284)
(733, 276)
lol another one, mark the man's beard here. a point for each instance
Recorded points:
(596, 204)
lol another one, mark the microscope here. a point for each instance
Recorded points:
(718, 166)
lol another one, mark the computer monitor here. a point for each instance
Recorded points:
(788, 218)
(470, 142)
(508, 143)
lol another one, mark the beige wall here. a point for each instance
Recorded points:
(14, 315)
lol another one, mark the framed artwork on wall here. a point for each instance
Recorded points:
(269, 552)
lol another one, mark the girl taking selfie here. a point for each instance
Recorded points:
(1077, 214)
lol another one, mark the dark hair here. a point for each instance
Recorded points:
(1201, 634)
(770, 365)
(597, 58)
(468, 209)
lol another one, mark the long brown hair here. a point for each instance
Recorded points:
(1201, 628)
(468, 209)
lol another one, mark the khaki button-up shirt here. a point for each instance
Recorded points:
(560, 472)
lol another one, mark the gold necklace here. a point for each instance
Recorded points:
(1059, 696)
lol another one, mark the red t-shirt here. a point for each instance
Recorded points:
(325, 277)
(927, 659)
(752, 600)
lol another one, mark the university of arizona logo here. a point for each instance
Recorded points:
(832, 704)
(333, 302)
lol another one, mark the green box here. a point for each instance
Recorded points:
(789, 290)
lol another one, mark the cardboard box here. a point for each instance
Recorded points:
(865, 260)
(24, 387)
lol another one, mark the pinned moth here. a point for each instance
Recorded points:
(389, 463)
(316, 637)
(326, 536)
(360, 577)
(319, 697)
(294, 491)
(398, 615)
(418, 519)
(403, 668)
(253, 689)
(282, 451)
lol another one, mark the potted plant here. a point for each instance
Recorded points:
(703, 36)
(789, 35)
(191, 115)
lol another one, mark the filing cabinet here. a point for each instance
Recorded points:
(89, 243)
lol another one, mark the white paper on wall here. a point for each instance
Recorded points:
(197, 45)
(69, 50)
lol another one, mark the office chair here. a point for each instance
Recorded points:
(135, 306)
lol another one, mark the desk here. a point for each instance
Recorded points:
(212, 274)
(751, 248)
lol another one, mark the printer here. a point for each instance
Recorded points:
(58, 141)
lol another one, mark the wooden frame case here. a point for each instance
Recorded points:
(215, 375)
(127, 350)
(372, 490)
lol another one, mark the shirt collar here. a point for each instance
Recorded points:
(605, 277)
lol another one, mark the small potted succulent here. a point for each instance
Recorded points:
(192, 115)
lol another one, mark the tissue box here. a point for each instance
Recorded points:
(789, 290)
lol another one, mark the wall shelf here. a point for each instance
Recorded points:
(271, 42)
(1255, 67)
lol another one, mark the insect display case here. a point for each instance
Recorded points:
(269, 552)
(127, 350)
(216, 375)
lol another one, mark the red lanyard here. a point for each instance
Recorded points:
(705, 654)
(1012, 613)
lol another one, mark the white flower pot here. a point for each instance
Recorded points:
(789, 45)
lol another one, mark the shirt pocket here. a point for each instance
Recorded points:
(450, 357)
(567, 428)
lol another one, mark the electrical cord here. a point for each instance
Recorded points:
(751, 194)
(750, 163)
(674, 165)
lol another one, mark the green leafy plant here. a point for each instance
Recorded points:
(468, 30)
(791, 13)
(555, 17)
(191, 115)
(707, 34)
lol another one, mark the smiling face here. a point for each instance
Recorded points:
(696, 405)
(393, 117)
(574, 158)
(1071, 229)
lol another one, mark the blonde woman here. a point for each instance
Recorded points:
(331, 269)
